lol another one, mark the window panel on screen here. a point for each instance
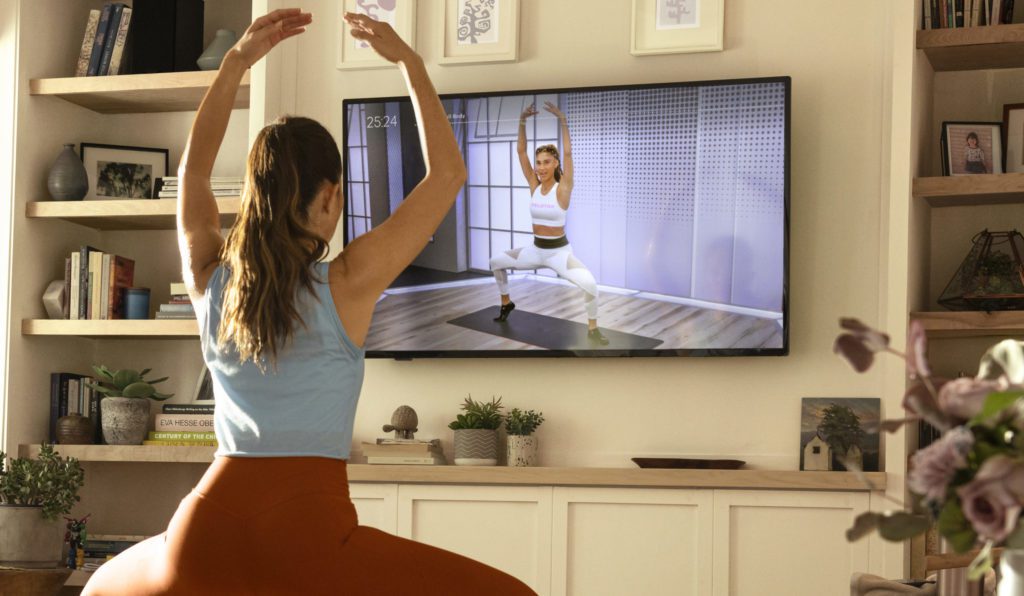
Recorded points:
(678, 213)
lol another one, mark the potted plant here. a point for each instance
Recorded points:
(521, 449)
(476, 432)
(33, 494)
(124, 412)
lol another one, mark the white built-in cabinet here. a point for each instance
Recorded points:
(592, 541)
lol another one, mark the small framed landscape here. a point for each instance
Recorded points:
(353, 53)
(479, 31)
(972, 148)
(835, 431)
(122, 172)
(677, 26)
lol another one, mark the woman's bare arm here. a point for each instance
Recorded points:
(524, 158)
(565, 184)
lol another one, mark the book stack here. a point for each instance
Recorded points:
(180, 306)
(94, 284)
(69, 394)
(404, 451)
(222, 186)
(103, 47)
(183, 425)
(97, 550)
(956, 14)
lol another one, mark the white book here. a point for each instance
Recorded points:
(405, 460)
(76, 285)
(73, 390)
(105, 287)
(95, 272)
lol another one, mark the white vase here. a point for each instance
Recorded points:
(214, 53)
(521, 450)
(1011, 573)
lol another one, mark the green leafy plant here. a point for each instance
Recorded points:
(518, 422)
(127, 383)
(479, 414)
(51, 482)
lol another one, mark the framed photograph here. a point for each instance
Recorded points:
(972, 148)
(1013, 137)
(479, 31)
(203, 393)
(677, 26)
(122, 172)
(400, 14)
(835, 431)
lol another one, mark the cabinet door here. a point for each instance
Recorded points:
(778, 542)
(631, 541)
(376, 505)
(508, 527)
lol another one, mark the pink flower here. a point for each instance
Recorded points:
(963, 398)
(859, 346)
(917, 345)
(933, 467)
(992, 501)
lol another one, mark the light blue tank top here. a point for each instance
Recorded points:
(308, 406)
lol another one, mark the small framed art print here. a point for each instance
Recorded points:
(677, 26)
(479, 31)
(972, 148)
(122, 172)
(353, 53)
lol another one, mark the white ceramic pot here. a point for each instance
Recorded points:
(28, 540)
(214, 53)
(521, 450)
(125, 420)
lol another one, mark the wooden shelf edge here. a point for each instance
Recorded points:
(969, 36)
(501, 475)
(160, 81)
(121, 328)
(979, 189)
(971, 323)
(139, 214)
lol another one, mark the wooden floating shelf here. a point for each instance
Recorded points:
(973, 48)
(971, 323)
(624, 477)
(137, 214)
(976, 189)
(137, 93)
(121, 328)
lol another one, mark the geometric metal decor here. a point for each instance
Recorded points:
(991, 277)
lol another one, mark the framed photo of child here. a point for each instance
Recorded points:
(972, 148)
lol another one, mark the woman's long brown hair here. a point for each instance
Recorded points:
(270, 250)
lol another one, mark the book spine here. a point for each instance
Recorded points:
(187, 409)
(54, 405)
(184, 422)
(125, 277)
(97, 44)
(1007, 17)
(959, 13)
(181, 436)
(104, 303)
(95, 275)
(62, 406)
(94, 414)
(74, 396)
(117, 59)
(404, 460)
(181, 443)
(83, 283)
(66, 303)
(108, 40)
(85, 53)
(76, 286)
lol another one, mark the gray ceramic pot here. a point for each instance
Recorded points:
(476, 447)
(125, 420)
(68, 180)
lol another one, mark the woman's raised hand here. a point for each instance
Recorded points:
(268, 31)
(554, 110)
(381, 37)
(529, 111)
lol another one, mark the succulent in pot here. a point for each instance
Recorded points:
(124, 411)
(476, 432)
(521, 447)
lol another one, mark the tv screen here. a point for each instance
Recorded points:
(652, 221)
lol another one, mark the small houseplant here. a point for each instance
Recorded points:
(476, 432)
(33, 494)
(124, 411)
(521, 449)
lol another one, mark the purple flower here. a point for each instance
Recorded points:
(992, 501)
(963, 398)
(859, 346)
(933, 467)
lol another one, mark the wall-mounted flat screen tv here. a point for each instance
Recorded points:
(641, 220)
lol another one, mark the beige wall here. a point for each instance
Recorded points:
(603, 412)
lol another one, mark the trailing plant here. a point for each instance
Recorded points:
(51, 482)
(479, 414)
(518, 422)
(127, 383)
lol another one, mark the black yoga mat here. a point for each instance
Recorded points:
(549, 332)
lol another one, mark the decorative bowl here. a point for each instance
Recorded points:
(693, 464)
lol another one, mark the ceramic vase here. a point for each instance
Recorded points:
(476, 447)
(29, 540)
(74, 429)
(521, 451)
(125, 420)
(211, 58)
(1011, 573)
(67, 180)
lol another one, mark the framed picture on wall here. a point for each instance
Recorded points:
(203, 393)
(479, 31)
(836, 432)
(1013, 136)
(677, 26)
(972, 148)
(353, 53)
(122, 172)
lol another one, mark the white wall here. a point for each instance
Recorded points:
(600, 413)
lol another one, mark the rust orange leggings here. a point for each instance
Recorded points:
(285, 525)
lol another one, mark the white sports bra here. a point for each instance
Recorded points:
(544, 208)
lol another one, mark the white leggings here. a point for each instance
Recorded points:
(560, 260)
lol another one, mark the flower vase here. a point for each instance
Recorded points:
(1011, 573)
(67, 179)
(214, 53)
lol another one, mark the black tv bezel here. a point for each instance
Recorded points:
(655, 353)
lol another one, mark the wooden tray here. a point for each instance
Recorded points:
(691, 464)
